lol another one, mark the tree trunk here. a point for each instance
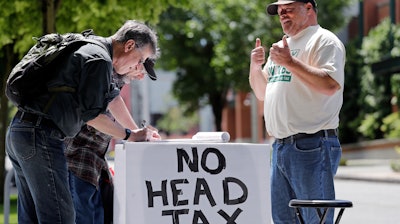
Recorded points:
(218, 101)
(49, 10)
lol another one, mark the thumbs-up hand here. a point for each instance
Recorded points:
(258, 54)
(280, 52)
(258, 42)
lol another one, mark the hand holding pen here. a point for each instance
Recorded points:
(152, 134)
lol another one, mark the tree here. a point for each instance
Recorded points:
(23, 19)
(209, 45)
(379, 92)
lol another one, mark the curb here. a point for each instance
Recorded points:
(368, 179)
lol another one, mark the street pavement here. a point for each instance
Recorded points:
(373, 202)
(369, 182)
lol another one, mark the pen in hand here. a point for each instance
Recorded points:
(143, 124)
(154, 135)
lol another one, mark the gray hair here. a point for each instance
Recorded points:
(139, 32)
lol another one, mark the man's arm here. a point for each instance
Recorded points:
(315, 78)
(121, 113)
(104, 124)
(257, 77)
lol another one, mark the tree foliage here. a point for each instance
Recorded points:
(205, 44)
(174, 122)
(376, 94)
(209, 45)
(23, 19)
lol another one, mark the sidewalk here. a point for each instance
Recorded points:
(368, 170)
(370, 164)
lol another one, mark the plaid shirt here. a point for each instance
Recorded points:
(85, 153)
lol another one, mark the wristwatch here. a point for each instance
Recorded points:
(128, 133)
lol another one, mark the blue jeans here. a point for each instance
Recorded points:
(303, 169)
(87, 200)
(37, 154)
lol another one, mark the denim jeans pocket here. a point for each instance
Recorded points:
(24, 141)
(308, 145)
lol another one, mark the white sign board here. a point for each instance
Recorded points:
(192, 183)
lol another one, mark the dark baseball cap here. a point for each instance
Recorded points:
(149, 66)
(272, 9)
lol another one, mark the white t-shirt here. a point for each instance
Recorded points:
(290, 107)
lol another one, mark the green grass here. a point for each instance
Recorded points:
(13, 219)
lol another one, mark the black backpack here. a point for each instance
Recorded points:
(29, 77)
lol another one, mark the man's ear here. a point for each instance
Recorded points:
(129, 45)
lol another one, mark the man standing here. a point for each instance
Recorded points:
(302, 88)
(35, 138)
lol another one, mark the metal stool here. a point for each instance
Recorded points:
(321, 206)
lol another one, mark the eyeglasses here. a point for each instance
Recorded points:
(142, 59)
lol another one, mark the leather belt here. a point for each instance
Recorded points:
(34, 119)
(322, 133)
